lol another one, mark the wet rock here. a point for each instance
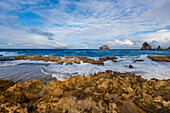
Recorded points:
(138, 60)
(111, 58)
(146, 46)
(68, 60)
(114, 61)
(160, 58)
(7, 59)
(102, 59)
(1, 55)
(130, 66)
(104, 47)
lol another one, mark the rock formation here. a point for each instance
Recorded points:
(67, 59)
(104, 47)
(1, 55)
(130, 66)
(107, 92)
(160, 58)
(146, 46)
(159, 48)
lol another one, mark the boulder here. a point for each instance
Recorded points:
(146, 46)
(1, 55)
(130, 66)
(104, 47)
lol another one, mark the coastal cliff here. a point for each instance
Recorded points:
(108, 92)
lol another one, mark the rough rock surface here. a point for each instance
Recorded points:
(160, 58)
(146, 46)
(107, 92)
(66, 60)
(104, 47)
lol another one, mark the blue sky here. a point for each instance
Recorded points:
(85, 24)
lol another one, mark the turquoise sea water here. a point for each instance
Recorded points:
(20, 71)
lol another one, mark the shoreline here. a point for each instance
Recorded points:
(111, 91)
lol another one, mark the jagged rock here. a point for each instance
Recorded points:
(160, 58)
(105, 92)
(159, 48)
(1, 55)
(138, 60)
(130, 66)
(104, 47)
(146, 46)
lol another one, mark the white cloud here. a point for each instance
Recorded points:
(92, 21)
(160, 37)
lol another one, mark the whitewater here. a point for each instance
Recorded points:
(25, 70)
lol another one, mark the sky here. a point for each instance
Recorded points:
(84, 24)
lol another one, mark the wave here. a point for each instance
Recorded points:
(147, 69)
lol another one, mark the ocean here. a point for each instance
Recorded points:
(25, 70)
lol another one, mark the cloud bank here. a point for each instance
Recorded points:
(84, 23)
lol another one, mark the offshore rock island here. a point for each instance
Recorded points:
(108, 92)
(146, 46)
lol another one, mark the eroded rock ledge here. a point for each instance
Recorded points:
(66, 60)
(160, 58)
(107, 92)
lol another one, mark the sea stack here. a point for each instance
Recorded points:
(104, 47)
(159, 48)
(146, 46)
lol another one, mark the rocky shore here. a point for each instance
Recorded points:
(160, 58)
(107, 92)
(66, 60)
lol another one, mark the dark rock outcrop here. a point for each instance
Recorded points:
(7, 59)
(160, 58)
(107, 92)
(1, 55)
(138, 60)
(130, 66)
(146, 46)
(104, 47)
